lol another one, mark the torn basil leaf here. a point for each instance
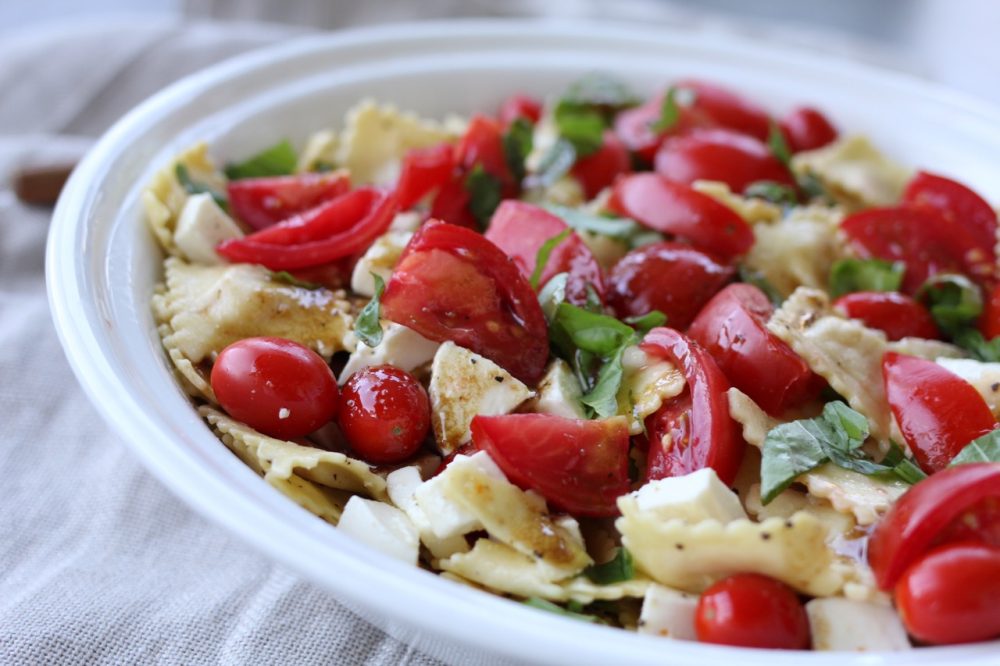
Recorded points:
(600, 91)
(620, 228)
(597, 333)
(278, 160)
(544, 252)
(982, 449)
(368, 326)
(517, 143)
(851, 275)
(670, 112)
(776, 193)
(542, 604)
(954, 301)
(485, 193)
(757, 279)
(288, 278)
(850, 426)
(582, 126)
(647, 322)
(191, 187)
(616, 570)
(779, 146)
(978, 347)
(555, 164)
(552, 294)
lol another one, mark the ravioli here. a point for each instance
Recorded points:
(854, 172)
(752, 209)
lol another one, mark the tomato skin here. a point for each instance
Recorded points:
(674, 278)
(519, 106)
(949, 596)
(719, 154)
(385, 414)
(453, 284)
(424, 170)
(897, 315)
(678, 209)
(733, 328)
(752, 610)
(635, 127)
(989, 322)
(724, 108)
(712, 437)
(599, 169)
(482, 144)
(451, 204)
(254, 379)
(924, 514)
(806, 128)
(579, 466)
(261, 202)
(938, 412)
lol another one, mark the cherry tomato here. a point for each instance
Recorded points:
(806, 128)
(276, 386)
(724, 108)
(949, 595)
(895, 314)
(927, 512)
(723, 155)
(520, 229)
(981, 522)
(674, 278)
(677, 209)
(702, 434)
(578, 466)
(519, 106)
(599, 169)
(424, 170)
(733, 328)
(453, 284)
(482, 144)
(451, 204)
(384, 414)
(989, 322)
(937, 411)
(751, 610)
(635, 127)
(261, 202)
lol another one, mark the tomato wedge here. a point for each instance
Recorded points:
(937, 411)
(424, 170)
(897, 315)
(635, 127)
(578, 466)
(719, 154)
(724, 108)
(453, 284)
(261, 202)
(706, 435)
(677, 209)
(806, 128)
(989, 322)
(520, 229)
(598, 170)
(482, 144)
(927, 510)
(733, 328)
(519, 106)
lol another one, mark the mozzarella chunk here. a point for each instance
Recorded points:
(380, 259)
(400, 346)
(855, 626)
(382, 527)
(669, 613)
(646, 383)
(402, 485)
(984, 377)
(559, 393)
(464, 384)
(201, 227)
(447, 518)
(693, 497)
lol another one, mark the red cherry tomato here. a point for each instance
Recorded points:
(989, 322)
(895, 314)
(926, 513)
(724, 108)
(938, 412)
(261, 202)
(673, 208)
(806, 128)
(519, 106)
(275, 386)
(635, 127)
(599, 169)
(706, 436)
(718, 154)
(451, 204)
(384, 414)
(520, 229)
(482, 144)
(751, 610)
(453, 284)
(674, 278)
(733, 328)
(949, 596)
(424, 170)
(578, 466)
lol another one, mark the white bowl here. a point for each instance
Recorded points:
(102, 265)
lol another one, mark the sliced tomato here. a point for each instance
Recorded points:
(700, 433)
(578, 466)
(482, 144)
(806, 128)
(674, 278)
(453, 284)
(520, 229)
(424, 170)
(635, 127)
(599, 169)
(897, 315)
(519, 106)
(733, 328)
(937, 411)
(677, 209)
(724, 108)
(261, 202)
(723, 155)
(989, 322)
(451, 204)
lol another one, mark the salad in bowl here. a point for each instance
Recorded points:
(676, 365)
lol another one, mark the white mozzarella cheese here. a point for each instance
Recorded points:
(380, 258)
(693, 497)
(382, 527)
(202, 225)
(855, 626)
(446, 518)
(667, 612)
(559, 393)
(464, 384)
(402, 485)
(401, 347)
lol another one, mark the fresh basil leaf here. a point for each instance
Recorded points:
(647, 322)
(603, 397)
(484, 194)
(593, 302)
(851, 426)
(542, 258)
(973, 341)
(278, 160)
(645, 238)
(517, 142)
(600, 91)
(582, 126)
(850, 275)
(542, 604)
(288, 278)
(812, 186)
(791, 449)
(778, 146)
(953, 300)
(854, 460)
(907, 472)
(191, 187)
(596, 333)
(618, 569)
(670, 112)
(757, 279)
(776, 193)
(620, 228)
(981, 449)
(552, 294)
(368, 326)
(555, 164)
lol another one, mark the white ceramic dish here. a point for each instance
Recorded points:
(102, 265)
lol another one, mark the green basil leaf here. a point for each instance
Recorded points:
(670, 112)
(647, 322)
(517, 142)
(288, 278)
(603, 397)
(906, 471)
(542, 604)
(645, 238)
(791, 449)
(981, 449)
(484, 194)
(191, 187)
(544, 252)
(278, 160)
(368, 326)
(600, 91)
(812, 186)
(778, 146)
(593, 332)
(776, 193)
(593, 302)
(757, 279)
(552, 294)
(616, 570)
(954, 301)
(620, 228)
(850, 275)
(555, 164)
(973, 341)
(582, 126)
(850, 426)
(854, 460)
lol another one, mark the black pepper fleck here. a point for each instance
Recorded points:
(765, 535)
(679, 546)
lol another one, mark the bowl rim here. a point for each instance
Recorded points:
(418, 598)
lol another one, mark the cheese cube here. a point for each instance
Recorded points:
(667, 612)
(693, 497)
(202, 225)
(559, 393)
(856, 626)
(446, 518)
(382, 527)
(401, 486)
(380, 258)
(401, 347)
